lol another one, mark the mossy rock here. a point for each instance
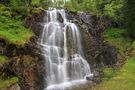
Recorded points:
(4, 83)
(13, 31)
(37, 10)
(3, 59)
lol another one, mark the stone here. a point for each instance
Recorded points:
(13, 87)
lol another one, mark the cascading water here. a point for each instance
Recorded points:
(64, 60)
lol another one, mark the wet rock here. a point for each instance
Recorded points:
(89, 77)
(60, 18)
(34, 22)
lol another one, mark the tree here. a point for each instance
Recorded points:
(5, 1)
(129, 16)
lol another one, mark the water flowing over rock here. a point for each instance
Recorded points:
(96, 52)
(61, 42)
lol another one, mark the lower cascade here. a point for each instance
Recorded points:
(65, 64)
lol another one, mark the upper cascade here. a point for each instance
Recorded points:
(59, 3)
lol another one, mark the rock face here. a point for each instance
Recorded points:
(24, 62)
(97, 52)
(13, 87)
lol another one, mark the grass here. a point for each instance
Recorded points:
(8, 82)
(12, 30)
(114, 37)
(3, 59)
(108, 73)
(123, 80)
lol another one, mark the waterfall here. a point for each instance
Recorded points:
(59, 3)
(62, 50)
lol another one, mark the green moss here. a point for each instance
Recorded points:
(8, 82)
(3, 59)
(37, 10)
(115, 37)
(12, 30)
(123, 80)
(108, 73)
(35, 2)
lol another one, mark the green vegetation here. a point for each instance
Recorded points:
(3, 59)
(129, 16)
(123, 80)
(108, 73)
(117, 37)
(4, 83)
(115, 79)
(14, 12)
(12, 29)
(109, 8)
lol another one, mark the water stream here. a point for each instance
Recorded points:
(65, 64)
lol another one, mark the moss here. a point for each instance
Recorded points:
(3, 59)
(8, 82)
(108, 73)
(37, 10)
(12, 30)
(115, 37)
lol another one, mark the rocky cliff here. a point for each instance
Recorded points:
(24, 62)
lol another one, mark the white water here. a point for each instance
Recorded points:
(59, 3)
(64, 60)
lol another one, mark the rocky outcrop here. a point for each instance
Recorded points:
(24, 62)
(97, 52)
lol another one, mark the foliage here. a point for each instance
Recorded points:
(82, 5)
(123, 80)
(108, 73)
(4, 83)
(114, 9)
(3, 59)
(117, 38)
(12, 29)
(129, 16)
(110, 8)
(5, 2)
